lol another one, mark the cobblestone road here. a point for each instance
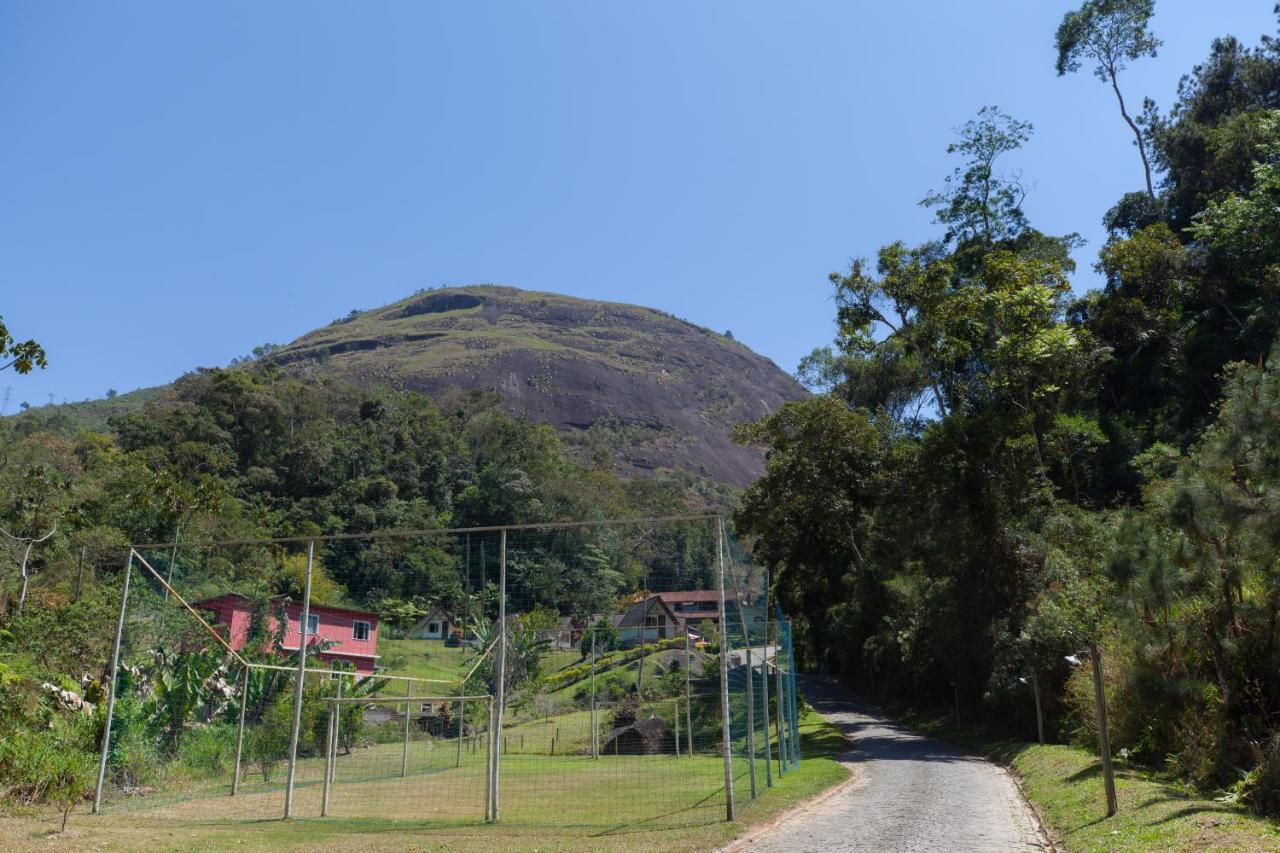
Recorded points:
(913, 794)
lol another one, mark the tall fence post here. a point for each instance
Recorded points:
(330, 747)
(726, 748)
(244, 701)
(488, 758)
(764, 695)
(1035, 689)
(462, 726)
(1104, 736)
(780, 717)
(111, 689)
(677, 719)
(337, 733)
(595, 726)
(688, 695)
(751, 716)
(795, 708)
(501, 669)
(302, 677)
(404, 753)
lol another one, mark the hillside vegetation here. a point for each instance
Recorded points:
(631, 389)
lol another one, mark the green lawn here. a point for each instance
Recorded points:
(424, 659)
(1064, 784)
(547, 803)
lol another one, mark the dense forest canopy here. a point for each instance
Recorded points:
(1001, 472)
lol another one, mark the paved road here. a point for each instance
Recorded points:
(913, 794)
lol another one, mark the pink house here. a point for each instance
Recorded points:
(351, 635)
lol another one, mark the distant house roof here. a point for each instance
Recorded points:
(689, 596)
(635, 614)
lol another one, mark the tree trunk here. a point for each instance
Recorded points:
(1137, 134)
(26, 577)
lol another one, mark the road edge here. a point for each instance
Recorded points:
(856, 777)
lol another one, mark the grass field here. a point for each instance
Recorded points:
(423, 659)
(1064, 783)
(546, 803)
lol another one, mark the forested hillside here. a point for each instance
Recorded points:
(628, 388)
(1002, 471)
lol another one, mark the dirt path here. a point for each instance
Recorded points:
(913, 793)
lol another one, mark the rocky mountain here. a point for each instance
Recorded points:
(647, 389)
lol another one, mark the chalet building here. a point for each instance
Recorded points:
(436, 625)
(646, 621)
(693, 606)
(350, 635)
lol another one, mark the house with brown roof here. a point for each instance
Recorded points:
(646, 621)
(693, 606)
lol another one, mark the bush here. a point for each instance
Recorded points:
(1262, 791)
(49, 766)
(135, 753)
(135, 759)
(208, 750)
(267, 743)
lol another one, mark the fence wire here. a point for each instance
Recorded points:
(591, 675)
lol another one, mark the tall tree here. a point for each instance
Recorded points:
(22, 356)
(1111, 33)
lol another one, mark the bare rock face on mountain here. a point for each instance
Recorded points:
(650, 389)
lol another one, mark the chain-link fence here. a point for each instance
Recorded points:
(593, 674)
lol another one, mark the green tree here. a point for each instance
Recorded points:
(1111, 34)
(22, 356)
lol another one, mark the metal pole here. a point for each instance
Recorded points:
(1104, 736)
(462, 725)
(302, 677)
(795, 709)
(764, 689)
(751, 717)
(404, 753)
(595, 729)
(337, 732)
(244, 702)
(502, 667)
(488, 758)
(777, 688)
(111, 692)
(1035, 688)
(688, 704)
(330, 747)
(677, 718)
(726, 752)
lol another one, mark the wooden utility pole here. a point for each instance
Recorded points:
(1104, 736)
(1035, 688)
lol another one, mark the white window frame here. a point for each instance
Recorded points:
(368, 630)
(433, 628)
(313, 619)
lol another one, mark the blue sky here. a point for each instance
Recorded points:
(182, 182)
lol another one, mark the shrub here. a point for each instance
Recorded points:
(135, 753)
(135, 759)
(49, 766)
(1262, 792)
(267, 744)
(208, 750)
